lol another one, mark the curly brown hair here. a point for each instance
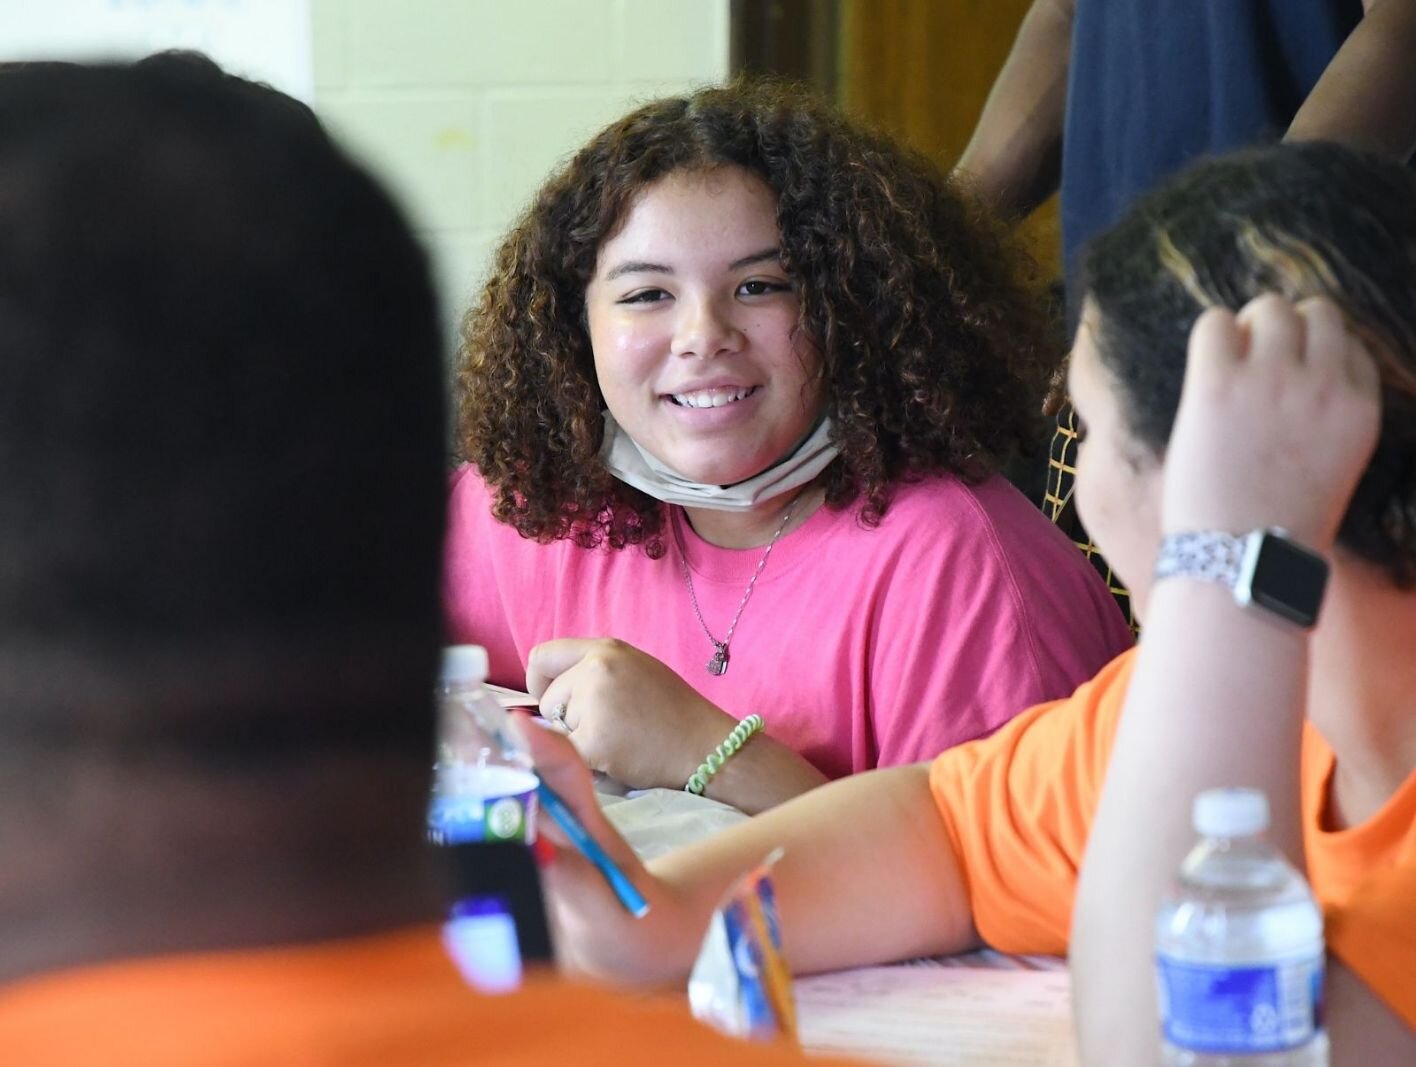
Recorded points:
(935, 341)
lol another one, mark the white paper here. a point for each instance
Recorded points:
(656, 821)
(510, 698)
(939, 1016)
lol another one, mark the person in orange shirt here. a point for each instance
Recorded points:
(1246, 361)
(222, 450)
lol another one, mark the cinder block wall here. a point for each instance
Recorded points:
(463, 106)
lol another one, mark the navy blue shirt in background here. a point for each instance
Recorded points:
(1155, 83)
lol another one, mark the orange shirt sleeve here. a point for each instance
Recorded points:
(1018, 806)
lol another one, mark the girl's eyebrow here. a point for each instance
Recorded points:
(637, 266)
(756, 257)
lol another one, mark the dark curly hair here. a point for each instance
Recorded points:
(935, 343)
(1301, 220)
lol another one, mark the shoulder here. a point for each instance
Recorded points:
(984, 519)
(1084, 723)
(467, 487)
(475, 538)
(469, 510)
(1018, 806)
(939, 524)
(969, 506)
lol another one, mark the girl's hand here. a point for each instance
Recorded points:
(628, 714)
(1278, 418)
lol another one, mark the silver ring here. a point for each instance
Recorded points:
(557, 712)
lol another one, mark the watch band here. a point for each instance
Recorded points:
(1208, 555)
(1265, 568)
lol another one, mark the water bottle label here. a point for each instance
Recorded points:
(1240, 1009)
(461, 820)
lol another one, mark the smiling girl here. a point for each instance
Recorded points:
(733, 403)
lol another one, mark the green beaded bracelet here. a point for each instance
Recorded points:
(699, 779)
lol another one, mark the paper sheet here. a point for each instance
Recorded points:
(510, 698)
(655, 821)
(939, 1016)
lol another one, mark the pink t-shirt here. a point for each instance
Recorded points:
(860, 647)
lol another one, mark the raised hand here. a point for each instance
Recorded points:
(1278, 417)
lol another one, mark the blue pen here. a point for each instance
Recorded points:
(631, 898)
(494, 721)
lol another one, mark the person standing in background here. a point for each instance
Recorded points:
(1103, 98)
(1106, 97)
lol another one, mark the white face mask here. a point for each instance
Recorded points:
(632, 465)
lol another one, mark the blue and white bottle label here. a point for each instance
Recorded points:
(1239, 1008)
(485, 804)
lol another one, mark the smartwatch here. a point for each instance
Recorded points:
(1265, 569)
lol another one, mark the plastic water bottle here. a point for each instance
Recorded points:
(1239, 947)
(479, 794)
(481, 938)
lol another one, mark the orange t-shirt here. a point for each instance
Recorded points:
(1018, 807)
(386, 999)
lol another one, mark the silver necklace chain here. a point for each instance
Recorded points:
(719, 663)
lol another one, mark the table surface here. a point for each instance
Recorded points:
(982, 1009)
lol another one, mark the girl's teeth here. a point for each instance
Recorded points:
(715, 399)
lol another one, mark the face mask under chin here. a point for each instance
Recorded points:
(626, 460)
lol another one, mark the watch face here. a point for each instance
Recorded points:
(1288, 580)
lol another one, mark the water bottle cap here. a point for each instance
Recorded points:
(464, 663)
(1231, 813)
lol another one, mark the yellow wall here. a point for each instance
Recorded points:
(464, 106)
(921, 69)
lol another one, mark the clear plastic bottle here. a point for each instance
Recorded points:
(1239, 947)
(478, 793)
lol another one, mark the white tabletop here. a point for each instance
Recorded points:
(981, 1009)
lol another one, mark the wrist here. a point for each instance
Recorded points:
(1265, 568)
(706, 733)
(724, 750)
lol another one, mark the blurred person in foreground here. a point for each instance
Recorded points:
(221, 446)
(1246, 360)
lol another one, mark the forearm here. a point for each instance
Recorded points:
(763, 774)
(1367, 95)
(1013, 161)
(868, 874)
(1361, 1028)
(1197, 716)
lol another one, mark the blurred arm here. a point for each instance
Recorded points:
(1196, 717)
(1014, 159)
(1361, 1028)
(1367, 95)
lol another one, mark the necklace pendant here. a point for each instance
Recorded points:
(719, 663)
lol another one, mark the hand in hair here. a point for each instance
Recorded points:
(1278, 418)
